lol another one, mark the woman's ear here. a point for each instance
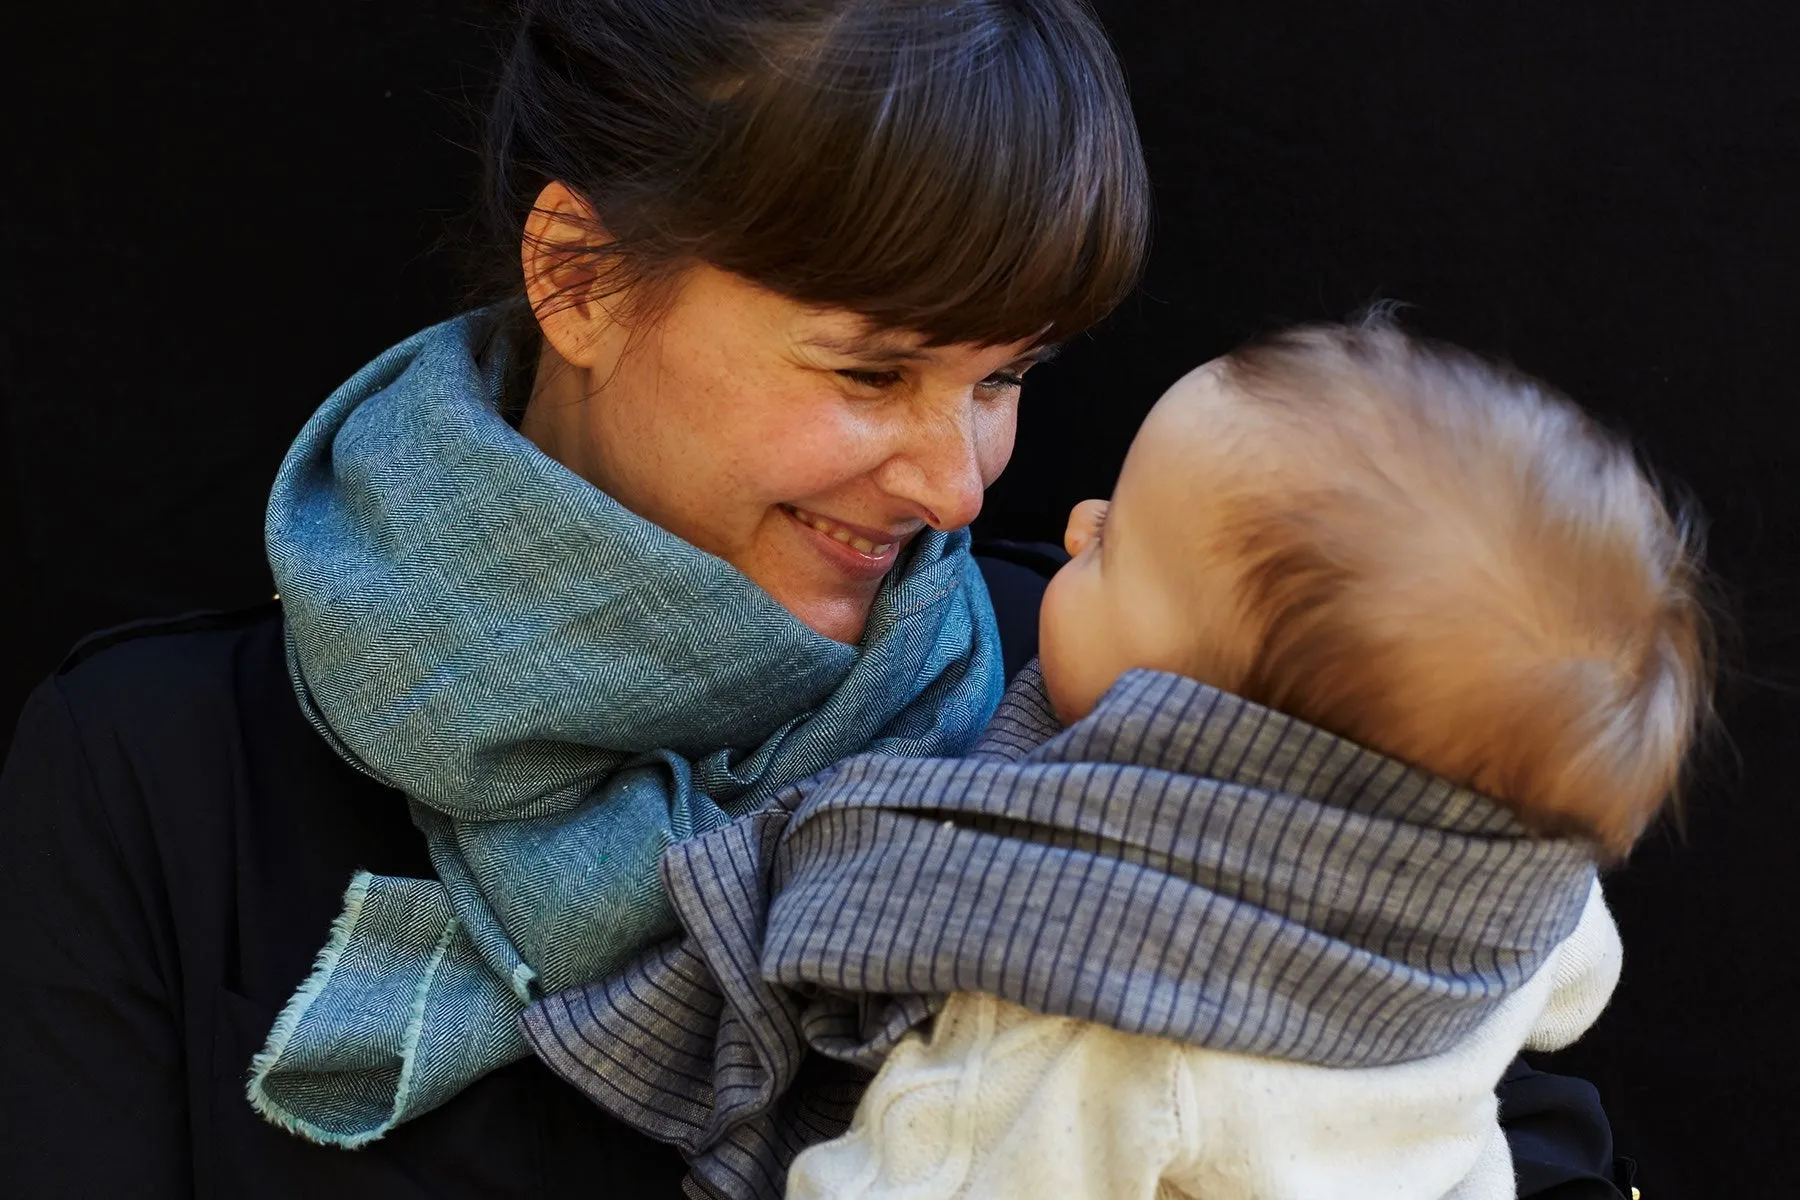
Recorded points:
(561, 232)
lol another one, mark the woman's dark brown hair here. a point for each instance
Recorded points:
(966, 169)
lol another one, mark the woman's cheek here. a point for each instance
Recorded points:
(995, 432)
(818, 445)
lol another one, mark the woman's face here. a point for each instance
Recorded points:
(799, 445)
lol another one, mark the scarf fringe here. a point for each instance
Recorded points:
(324, 963)
(266, 1060)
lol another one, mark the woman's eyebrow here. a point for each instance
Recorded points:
(869, 349)
(892, 350)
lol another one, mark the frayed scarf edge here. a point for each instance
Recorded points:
(265, 1061)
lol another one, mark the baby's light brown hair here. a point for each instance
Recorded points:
(1453, 564)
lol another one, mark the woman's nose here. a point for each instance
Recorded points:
(1084, 525)
(940, 471)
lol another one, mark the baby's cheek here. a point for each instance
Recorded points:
(1064, 645)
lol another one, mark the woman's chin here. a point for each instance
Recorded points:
(840, 619)
(841, 614)
(824, 597)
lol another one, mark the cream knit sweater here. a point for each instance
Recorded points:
(999, 1102)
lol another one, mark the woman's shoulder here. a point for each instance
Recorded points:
(184, 739)
(153, 675)
(174, 842)
(174, 725)
(174, 714)
(194, 719)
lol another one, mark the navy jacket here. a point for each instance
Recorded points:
(174, 843)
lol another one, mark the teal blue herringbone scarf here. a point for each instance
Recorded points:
(563, 690)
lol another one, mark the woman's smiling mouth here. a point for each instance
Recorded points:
(849, 546)
(840, 533)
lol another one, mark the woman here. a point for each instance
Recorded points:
(678, 520)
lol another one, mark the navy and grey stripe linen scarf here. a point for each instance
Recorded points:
(1182, 863)
(563, 690)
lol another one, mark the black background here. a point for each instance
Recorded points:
(216, 212)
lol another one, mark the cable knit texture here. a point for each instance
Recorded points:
(998, 1102)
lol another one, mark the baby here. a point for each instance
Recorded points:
(1417, 643)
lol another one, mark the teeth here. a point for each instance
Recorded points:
(838, 533)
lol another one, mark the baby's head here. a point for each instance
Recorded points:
(1411, 548)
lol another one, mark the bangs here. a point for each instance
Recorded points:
(970, 172)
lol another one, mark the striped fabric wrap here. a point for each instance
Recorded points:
(1182, 863)
(562, 690)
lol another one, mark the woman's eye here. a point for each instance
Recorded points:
(999, 381)
(871, 379)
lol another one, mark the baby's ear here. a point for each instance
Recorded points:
(1086, 520)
